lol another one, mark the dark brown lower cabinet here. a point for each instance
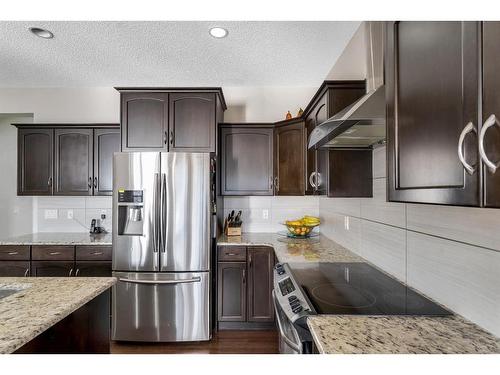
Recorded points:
(52, 268)
(245, 288)
(260, 284)
(14, 268)
(232, 292)
(93, 269)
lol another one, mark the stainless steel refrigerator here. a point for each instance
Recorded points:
(161, 246)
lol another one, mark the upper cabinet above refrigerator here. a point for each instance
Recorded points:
(170, 119)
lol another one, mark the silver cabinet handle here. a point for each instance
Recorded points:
(244, 276)
(311, 180)
(77, 271)
(317, 179)
(96, 253)
(290, 343)
(171, 137)
(165, 137)
(49, 181)
(12, 253)
(490, 121)
(95, 182)
(468, 128)
(180, 281)
(90, 183)
(277, 183)
(270, 182)
(55, 253)
(26, 273)
(231, 254)
(70, 272)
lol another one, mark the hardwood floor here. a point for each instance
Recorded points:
(223, 342)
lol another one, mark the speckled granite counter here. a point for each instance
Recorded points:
(42, 302)
(59, 239)
(315, 249)
(343, 334)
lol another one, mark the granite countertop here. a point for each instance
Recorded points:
(42, 302)
(59, 239)
(355, 334)
(288, 250)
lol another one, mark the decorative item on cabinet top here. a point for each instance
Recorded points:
(48, 154)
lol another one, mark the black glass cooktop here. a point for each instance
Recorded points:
(359, 288)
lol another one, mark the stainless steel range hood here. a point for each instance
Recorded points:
(362, 124)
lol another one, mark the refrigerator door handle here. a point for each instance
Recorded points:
(163, 212)
(156, 224)
(180, 281)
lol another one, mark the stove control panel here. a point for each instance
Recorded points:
(289, 295)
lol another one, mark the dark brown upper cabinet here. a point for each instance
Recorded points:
(350, 173)
(144, 121)
(331, 97)
(246, 159)
(170, 119)
(260, 284)
(289, 158)
(35, 161)
(73, 162)
(66, 159)
(192, 123)
(491, 113)
(432, 80)
(106, 143)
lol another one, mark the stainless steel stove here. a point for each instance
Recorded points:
(303, 289)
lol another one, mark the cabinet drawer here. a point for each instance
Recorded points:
(14, 252)
(93, 252)
(53, 252)
(232, 253)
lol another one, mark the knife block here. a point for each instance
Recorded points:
(231, 231)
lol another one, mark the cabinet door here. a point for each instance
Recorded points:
(49, 268)
(432, 95)
(192, 122)
(93, 269)
(491, 106)
(289, 148)
(35, 161)
(14, 268)
(73, 161)
(106, 143)
(232, 292)
(144, 121)
(247, 161)
(260, 284)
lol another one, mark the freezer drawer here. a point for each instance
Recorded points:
(161, 307)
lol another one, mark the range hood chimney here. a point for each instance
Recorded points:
(362, 124)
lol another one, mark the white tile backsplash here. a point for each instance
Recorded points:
(451, 254)
(84, 210)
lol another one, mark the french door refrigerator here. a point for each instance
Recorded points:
(161, 246)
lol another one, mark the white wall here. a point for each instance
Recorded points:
(16, 216)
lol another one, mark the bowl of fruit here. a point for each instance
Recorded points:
(302, 227)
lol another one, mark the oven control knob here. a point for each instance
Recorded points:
(279, 269)
(297, 309)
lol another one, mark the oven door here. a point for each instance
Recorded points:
(289, 339)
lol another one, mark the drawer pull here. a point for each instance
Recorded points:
(13, 253)
(26, 273)
(55, 253)
(96, 253)
(77, 271)
(231, 254)
(70, 272)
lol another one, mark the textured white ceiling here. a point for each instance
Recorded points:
(170, 53)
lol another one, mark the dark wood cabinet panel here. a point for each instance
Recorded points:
(432, 76)
(491, 106)
(260, 284)
(35, 161)
(14, 252)
(232, 292)
(246, 160)
(93, 252)
(144, 121)
(14, 268)
(93, 269)
(350, 173)
(50, 253)
(289, 159)
(232, 254)
(192, 122)
(106, 143)
(73, 161)
(49, 268)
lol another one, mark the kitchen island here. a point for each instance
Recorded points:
(55, 314)
(356, 334)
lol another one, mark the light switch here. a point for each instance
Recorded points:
(50, 214)
(70, 214)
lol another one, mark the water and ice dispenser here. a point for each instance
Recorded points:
(130, 212)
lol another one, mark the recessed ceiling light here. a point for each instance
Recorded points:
(218, 32)
(42, 33)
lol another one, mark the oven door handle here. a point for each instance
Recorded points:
(290, 343)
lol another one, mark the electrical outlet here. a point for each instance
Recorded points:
(346, 222)
(70, 214)
(265, 214)
(50, 214)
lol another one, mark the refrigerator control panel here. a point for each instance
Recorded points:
(130, 196)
